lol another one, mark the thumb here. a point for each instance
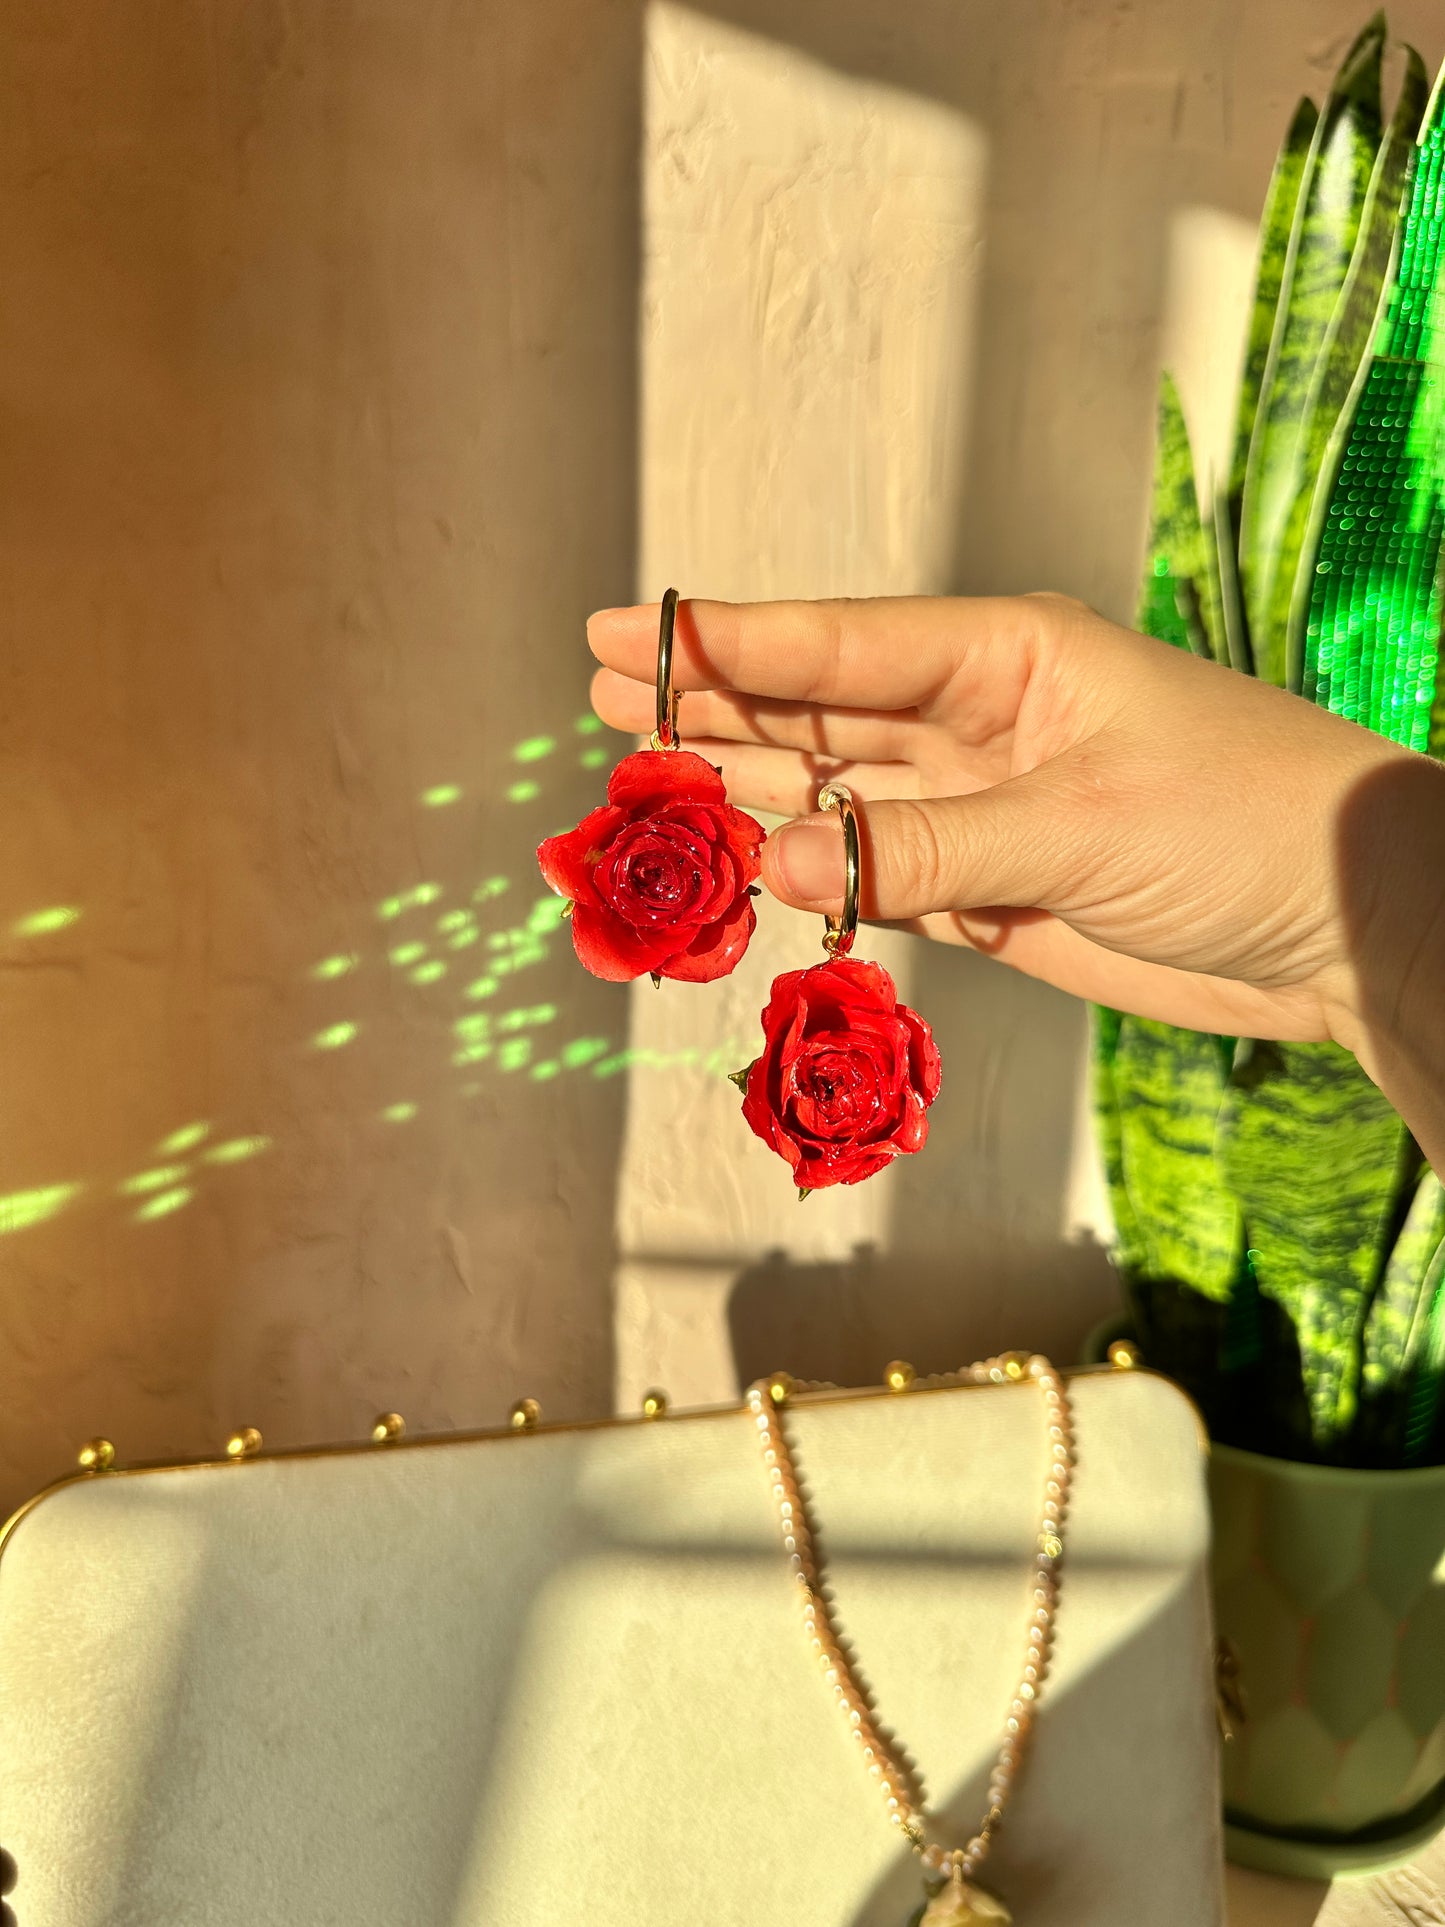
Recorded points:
(1012, 844)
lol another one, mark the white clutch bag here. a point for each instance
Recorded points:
(529, 1679)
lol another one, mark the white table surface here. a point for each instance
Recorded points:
(1412, 1896)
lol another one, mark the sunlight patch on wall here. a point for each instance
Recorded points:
(22, 1209)
(1209, 276)
(236, 1150)
(335, 1036)
(164, 1204)
(331, 968)
(42, 923)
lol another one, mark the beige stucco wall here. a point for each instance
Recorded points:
(349, 355)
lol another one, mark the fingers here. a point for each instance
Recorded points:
(787, 783)
(1013, 844)
(892, 653)
(867, 735)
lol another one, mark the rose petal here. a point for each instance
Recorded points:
(761, 1117)
(651, 778)
(745, 839)
(912, 1131)
(715, 949)
(823, 1166)
(568, 861)
(845, 985)
(612, 949)
(927, 1065)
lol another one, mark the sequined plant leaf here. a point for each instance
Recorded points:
(1315, 1155)
(1340, 371)
(1371, 644)
(1337, 175)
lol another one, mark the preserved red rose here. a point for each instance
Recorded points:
(660, 876)
(846, 1074)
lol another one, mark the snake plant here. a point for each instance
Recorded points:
(1280, 1237)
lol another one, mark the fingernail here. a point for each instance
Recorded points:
(810, 860)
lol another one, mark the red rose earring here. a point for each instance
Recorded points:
(847, 1073)
(660, 877)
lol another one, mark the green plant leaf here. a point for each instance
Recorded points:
(1275, 228)
(1172, 603)
(1168, 1086)
(1394, 1328)
(1337, 174)
(1341, 371)
(1129, 1242)
(1316, 1157)
(1224, 551)
(1427, 1385)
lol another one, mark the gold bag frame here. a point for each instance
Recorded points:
(557, 1675)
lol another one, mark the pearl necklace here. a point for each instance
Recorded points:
(955, 1898)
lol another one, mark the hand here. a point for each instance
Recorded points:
(1130, 823)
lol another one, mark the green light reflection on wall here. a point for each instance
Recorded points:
(22, 1209)
(438, 797)
(185, 1139)
(525, 792)
(165, 1204)
(399, 1113)
(429, 973)
(41, 923)
(514, 1053)
(416, 898)
(236, 1150)
(482, 987)
(584, 1050)
(334, 1036)
(491, 887)
(542, 1072)
(156, 1180)
(331, 968)
(406, 953)
(588, 725)
(593, 759)
(534, 749)
(454, 920)
(463, 940)
(525, 1019)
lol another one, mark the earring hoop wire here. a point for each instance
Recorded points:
(838, 938)
(665, 735)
